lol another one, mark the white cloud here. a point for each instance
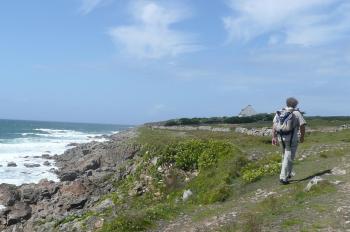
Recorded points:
(89, 5)
(301, 22)
(151, 35)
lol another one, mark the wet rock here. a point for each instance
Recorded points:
(46, 156)
(47, 163)
(11, 164)
(20, 211)
(31, 165)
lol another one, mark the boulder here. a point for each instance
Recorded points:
(68, 176)
(20, 211)
(29, 194)
(76, 188)
(47, 188)
(8, 194)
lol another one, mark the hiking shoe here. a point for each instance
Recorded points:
(291, 175)
(284, 182)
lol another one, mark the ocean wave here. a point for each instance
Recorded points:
(30, 147)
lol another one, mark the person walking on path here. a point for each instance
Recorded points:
(287, 124)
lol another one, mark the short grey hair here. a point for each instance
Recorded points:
(292, 102)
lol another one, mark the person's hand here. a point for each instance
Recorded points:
(301, 139)
(274, 141)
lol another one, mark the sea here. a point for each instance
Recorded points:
(24, 142)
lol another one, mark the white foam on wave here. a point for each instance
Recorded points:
(29, 150)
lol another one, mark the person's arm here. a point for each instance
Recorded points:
(302, 133)
(274, 137)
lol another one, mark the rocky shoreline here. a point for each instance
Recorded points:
(86, 173)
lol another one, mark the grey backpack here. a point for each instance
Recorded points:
(285, 122)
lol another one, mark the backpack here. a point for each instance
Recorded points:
(285, 122)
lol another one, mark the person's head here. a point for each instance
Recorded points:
(292, 102)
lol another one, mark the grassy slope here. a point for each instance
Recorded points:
(288, 209)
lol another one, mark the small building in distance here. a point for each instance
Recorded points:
(247, 112)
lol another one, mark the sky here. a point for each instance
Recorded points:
(131, 62)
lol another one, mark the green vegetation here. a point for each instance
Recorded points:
(220, 120)
(269, 165)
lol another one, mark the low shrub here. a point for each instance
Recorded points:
(194, 154)
(270, 165)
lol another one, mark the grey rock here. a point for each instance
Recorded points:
(104, 205)
(94, 223)
(314, 181)
(8, 194)
(31, 165)
(47, 163)
(29, 194)
(46, 156)
(11, 164)
(186, 195)
(92, 164)
(77, 203)
(69, 176)
(20, 211)
(137, 190)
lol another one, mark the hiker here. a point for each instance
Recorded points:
(286, 126)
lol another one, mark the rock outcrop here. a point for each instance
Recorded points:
(86, 173)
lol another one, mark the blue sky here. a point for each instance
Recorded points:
(114, 61)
